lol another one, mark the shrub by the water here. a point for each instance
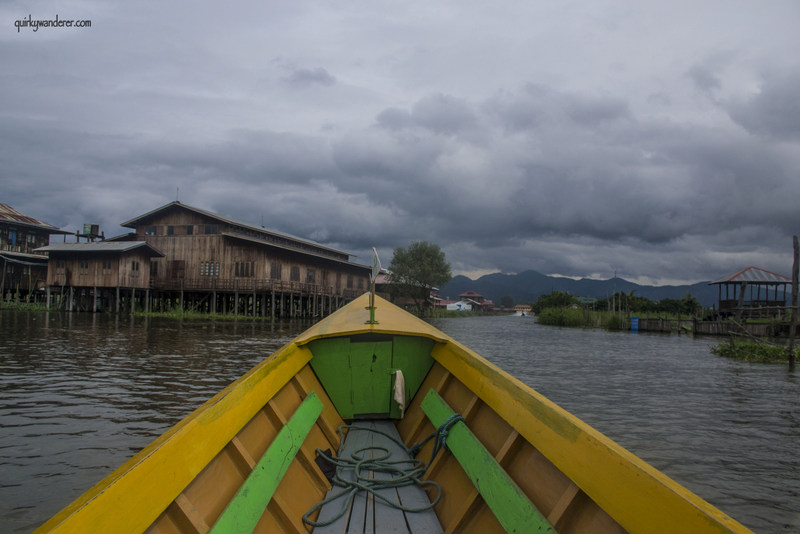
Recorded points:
(561, 317)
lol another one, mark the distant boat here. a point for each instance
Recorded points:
(259, 456)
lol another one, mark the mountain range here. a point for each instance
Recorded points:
(527, 286)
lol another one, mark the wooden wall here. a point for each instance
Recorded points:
(129, 269)
(203, 260)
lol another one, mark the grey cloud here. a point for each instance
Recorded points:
(774, 111)
(307, 77)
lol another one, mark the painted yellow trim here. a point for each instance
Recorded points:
(353, 318)
(639, 497)
(134, 495)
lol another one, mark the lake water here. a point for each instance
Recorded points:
(81, 393)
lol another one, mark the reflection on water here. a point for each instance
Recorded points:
(81, 393)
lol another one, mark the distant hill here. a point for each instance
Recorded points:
(529, 285)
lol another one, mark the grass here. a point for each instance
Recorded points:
(580, 318)
(24, 306)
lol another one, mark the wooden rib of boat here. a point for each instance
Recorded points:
(247, 460)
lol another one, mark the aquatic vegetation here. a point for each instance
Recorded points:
(751, 351)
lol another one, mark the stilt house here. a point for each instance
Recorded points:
(24, 269)
(218, 264)
(99, 276)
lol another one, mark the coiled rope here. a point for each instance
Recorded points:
(394, 473)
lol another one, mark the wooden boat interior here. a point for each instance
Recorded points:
(247, 460)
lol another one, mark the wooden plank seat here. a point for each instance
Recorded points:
(246, 508)
(510, 505)
(368, 513)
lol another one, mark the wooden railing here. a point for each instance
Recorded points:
(213, 283)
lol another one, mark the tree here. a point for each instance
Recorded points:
(556, 299)
(506, 301)
(415, 270)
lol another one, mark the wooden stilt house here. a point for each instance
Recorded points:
(221, 265)
(24, 270)
(106, 275)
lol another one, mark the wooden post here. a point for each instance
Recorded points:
(740, 305)
(793, 327)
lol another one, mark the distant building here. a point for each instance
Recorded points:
(460, 305)
(523, 309)
(752, 292)
(478, 301)
(24, 270)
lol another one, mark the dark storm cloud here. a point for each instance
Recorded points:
(365, 125)
(774, 110)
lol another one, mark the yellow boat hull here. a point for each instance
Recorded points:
(578, 479)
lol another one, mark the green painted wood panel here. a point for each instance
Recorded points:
(330, 363)
(510, 505)
(412, 356)
(247, 507)
(370, 368)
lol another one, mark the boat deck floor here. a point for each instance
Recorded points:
(368, 513)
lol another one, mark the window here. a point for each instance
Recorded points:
(211, 229)
(294, 275)
(106, 266)
(209, 268)
(244, 268)
(149, 230)
(153, 269)
(60, 264)
(311, 276)
(189, 229)
(134, 268)
(349, 282)
(170, 230)
(83, 266)
(360, 283)
(275, 271)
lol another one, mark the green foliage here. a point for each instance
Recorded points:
(24, 306)
(632, 303)
(581, 318)
(556, 299)
(561, 317)
(614, 322)
(506, 302)
(750, 351)
(415, 270)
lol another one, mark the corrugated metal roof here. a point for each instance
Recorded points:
(753, 275)
(7, 213)
(228, 220)
(102, 246)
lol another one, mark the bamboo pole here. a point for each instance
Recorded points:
(793, 327)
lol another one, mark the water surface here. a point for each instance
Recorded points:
(81, 393)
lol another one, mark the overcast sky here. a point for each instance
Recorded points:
(660, 140)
